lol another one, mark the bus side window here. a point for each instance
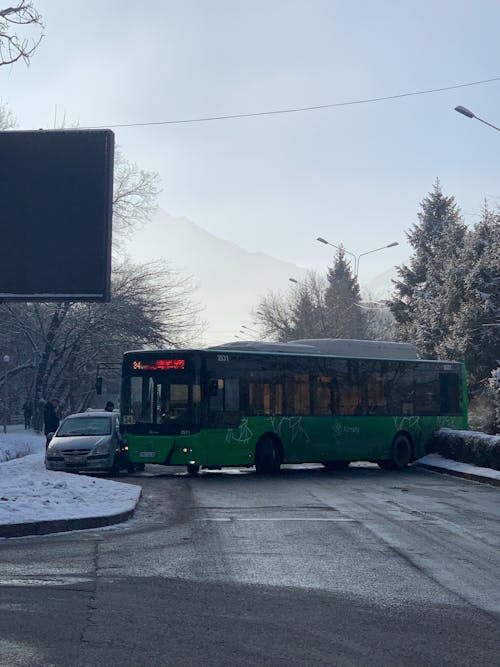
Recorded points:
(449, 394)
(400, 388)
(216, 390)
(427, 388)
(297, 394)
(322, 395)
(349, 392)
(225, 403)
(231, 395)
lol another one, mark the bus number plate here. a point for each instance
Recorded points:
(147, 455)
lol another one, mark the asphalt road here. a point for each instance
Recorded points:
(354, 568)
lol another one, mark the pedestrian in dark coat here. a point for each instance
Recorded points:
(28, 413)
(50, 418)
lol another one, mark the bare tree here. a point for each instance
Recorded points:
(55, 348)
(134, 197)
(14, 22)
(300, 314)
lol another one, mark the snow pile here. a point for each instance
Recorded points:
(474, 447)
(28, 492)
(18, 444)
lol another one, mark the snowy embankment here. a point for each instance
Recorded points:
(29, 493)
(473, 447)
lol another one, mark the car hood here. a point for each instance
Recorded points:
(79, 441)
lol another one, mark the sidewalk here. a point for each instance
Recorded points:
(35, 501)
(437, 463)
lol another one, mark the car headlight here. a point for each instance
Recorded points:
(102, 448)
(52, 449)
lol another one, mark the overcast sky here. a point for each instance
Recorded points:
(354, 175)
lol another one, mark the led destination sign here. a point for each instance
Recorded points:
(160, 365)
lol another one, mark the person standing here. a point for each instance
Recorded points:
(50, 418)
(28, 413)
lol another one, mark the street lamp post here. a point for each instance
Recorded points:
(357, 257)
(322, 240)
(249, 331)
(467, 112)
(6, 360)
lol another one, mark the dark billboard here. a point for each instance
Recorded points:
(56, 192)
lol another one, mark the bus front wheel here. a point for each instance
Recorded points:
(400, 453)
(193, 469)
(267, 457)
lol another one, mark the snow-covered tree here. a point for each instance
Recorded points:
(428, 292)
(473, 335)
(7, 120)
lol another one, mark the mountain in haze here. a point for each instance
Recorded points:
(230, 280)
(381, 286)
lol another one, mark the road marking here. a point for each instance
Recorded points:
(60, 581)
(281, 518)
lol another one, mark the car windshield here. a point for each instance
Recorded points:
(85, 426)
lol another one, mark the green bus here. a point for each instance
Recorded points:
(328, 401)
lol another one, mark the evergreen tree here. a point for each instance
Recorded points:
(474, 335)
(428, 292)
(344, 317)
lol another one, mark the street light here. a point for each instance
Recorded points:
(248, 330)
(467, 112)
(322, 240)
(357, 257)
(6, 360)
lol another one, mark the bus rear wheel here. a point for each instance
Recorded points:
(401, 452)
(267, 457)
(193, 469)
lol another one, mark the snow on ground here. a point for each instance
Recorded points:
(457, 466)
(28, 492)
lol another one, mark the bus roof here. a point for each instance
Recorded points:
(340, 347)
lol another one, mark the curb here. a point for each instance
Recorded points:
(63, 525)
(459, 473)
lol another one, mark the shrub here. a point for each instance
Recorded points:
(467, 446)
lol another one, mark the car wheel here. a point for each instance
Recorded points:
(114, 471)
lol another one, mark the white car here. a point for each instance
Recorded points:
(88, 442)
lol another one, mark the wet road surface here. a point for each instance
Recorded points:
(362, 567)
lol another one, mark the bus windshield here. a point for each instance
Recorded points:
(170, 403)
